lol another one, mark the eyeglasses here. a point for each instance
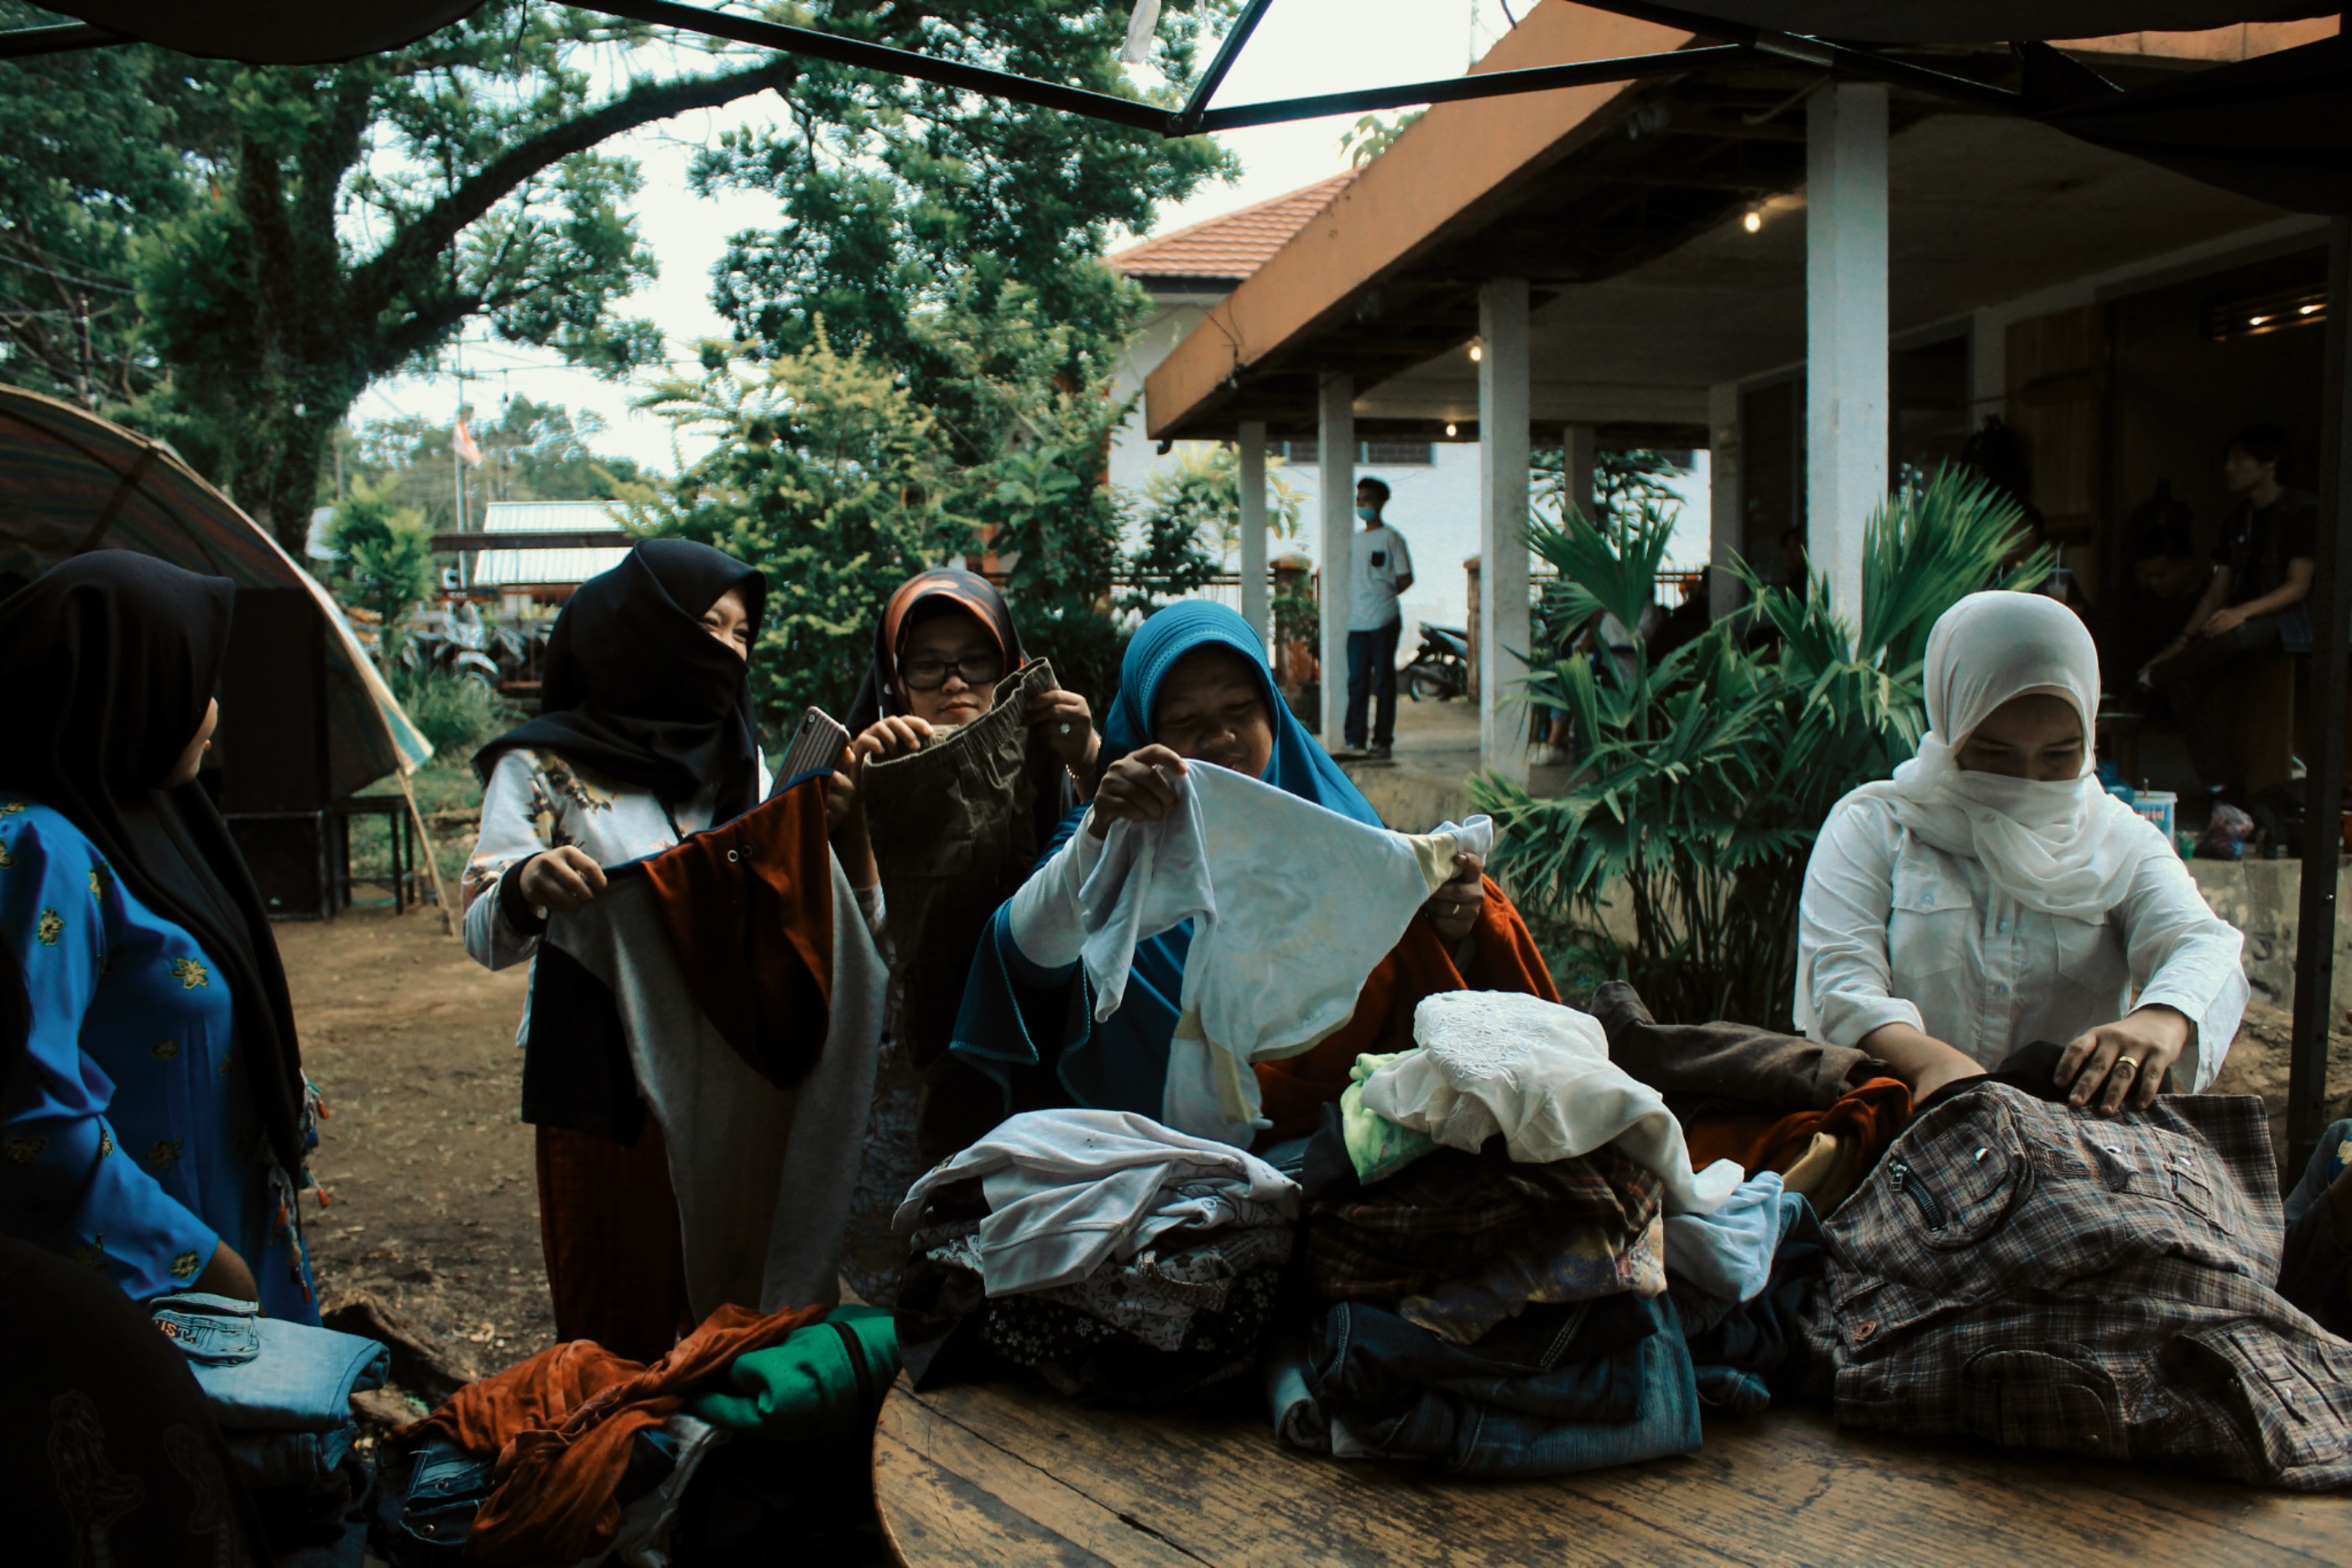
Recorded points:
(972, 670)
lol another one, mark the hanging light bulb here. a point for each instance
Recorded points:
(1477, 351)
(1754, 218)
(1449, 430)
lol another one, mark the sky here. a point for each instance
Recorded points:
(1300, 48)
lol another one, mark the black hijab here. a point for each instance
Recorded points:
(110, 660)
(637, 690)
(940, 592)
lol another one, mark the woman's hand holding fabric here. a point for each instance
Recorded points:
(1453, 908)
(1139, 788)
(900, 734)
(563, 881)
(1069, 727)
(2121, 1065)
(2223, 622)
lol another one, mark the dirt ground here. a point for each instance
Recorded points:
(433, 1210)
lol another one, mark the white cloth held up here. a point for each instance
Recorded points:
(1538, 1074)
(1292, 904)
(1069, 1190)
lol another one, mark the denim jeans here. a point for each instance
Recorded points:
(1372, 671)
(1551, 1392)
(267, 1460)
(2316, 1269)
(266, 1374)
(426, 1498)
(1637, 1401)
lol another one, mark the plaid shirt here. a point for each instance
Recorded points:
(1449, 1214)
(2041, 1277)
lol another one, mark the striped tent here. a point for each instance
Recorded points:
(71, 482)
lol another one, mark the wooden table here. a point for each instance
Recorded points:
(999, 1473)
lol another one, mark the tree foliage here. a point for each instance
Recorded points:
(384, 561)
(277, 238)
(1705, 776)
(1192, 518)
(823, 474)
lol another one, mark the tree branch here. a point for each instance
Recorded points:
(381, 279)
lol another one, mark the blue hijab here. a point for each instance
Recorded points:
(1019, 1020)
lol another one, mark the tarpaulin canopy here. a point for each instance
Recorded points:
(272, 32)
(71, 482)
(2277, 126)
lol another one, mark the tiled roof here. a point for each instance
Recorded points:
(1230, 248)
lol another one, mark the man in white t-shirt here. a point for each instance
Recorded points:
(1380, 570)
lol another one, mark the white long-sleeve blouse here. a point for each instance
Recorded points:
(1893, 930)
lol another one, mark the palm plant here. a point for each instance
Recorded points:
(1705, 776)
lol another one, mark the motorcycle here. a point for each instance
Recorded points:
(1441, 665)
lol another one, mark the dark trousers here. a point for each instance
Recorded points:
(2204, 683)
(1371, 669)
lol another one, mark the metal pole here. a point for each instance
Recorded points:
(1227, 53)
(2331, 601)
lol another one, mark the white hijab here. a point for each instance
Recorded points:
(2063, 848)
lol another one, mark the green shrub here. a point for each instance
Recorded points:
(456, 713)
(1705, 777)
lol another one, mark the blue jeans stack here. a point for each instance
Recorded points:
(281, 1392)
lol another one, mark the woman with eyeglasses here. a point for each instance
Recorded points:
(944, 641)
(945, 649)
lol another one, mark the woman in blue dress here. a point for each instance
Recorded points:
(156, 1129)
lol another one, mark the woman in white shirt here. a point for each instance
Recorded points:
(1992, 894)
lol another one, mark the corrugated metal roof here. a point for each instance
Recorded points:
(519, 567)
(1229, 248)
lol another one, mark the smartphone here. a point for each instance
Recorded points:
(816, 748)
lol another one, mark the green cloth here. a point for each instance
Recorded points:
(1377, 1146)
(826, 1380)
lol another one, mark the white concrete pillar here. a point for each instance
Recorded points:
(1726, 540)
(1580, 449)
(1502, 444)
(1845, 330)
(1336, 482)
(1253, 529)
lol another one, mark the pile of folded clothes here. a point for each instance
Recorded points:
(281, 1392)
(1119, 1259)
(1489, 1221)
(1817, 1115)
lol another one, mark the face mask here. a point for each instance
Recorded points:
(1369, 514)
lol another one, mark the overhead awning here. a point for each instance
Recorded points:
(71, 482)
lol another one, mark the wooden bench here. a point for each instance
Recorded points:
(1000, 1473)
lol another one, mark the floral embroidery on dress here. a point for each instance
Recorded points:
(164, 1154)
(566, 781)
(165, 1049)
(190, 974)
(6, 860)
(186, 1266)
(97, 881)
(48, 928)
(24, 1150)
(10, 807)
(105, 1141)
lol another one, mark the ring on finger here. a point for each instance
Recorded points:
(2124, 1061)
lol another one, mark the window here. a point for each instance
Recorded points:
(1375, 454)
